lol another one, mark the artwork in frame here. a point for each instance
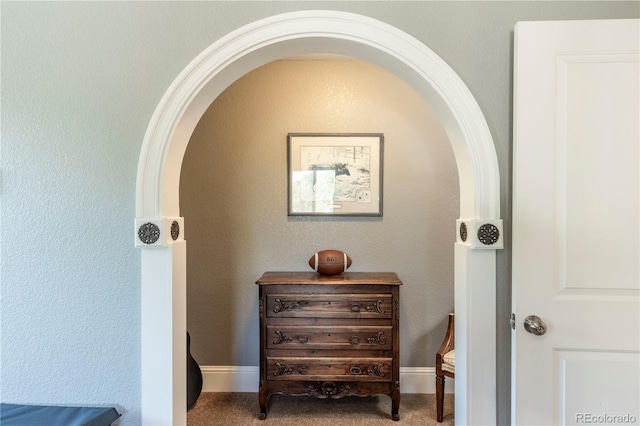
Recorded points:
(337, 174)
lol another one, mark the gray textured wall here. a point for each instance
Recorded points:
(233, 196)
(79, 83)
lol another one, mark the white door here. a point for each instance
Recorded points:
(576, 233)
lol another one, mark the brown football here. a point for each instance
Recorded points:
(330, 262)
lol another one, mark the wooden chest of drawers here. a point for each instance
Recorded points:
(329, 336)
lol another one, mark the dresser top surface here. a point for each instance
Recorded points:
(350, 278)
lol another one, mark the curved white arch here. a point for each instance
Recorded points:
(309, 32)
(157, 197)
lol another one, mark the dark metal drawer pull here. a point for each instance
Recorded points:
(285, 369)
(373, 307)
(284, 338)
(375, 370)
(283, 305)
(377, 339)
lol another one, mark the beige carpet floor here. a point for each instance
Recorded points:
(242, 409)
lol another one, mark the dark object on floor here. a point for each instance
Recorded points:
(194, 377)
(21, 415)
(445, 365)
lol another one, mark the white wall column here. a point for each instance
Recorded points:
(475, 306)
(164, 320)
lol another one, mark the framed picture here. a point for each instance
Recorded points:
(335, 174)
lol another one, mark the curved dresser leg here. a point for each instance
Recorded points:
(395, 403)
(262, 401)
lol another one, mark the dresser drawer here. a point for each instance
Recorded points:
(329, 305)
(336, 369)
(323, 337)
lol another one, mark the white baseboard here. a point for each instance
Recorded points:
(230, 378)
(245, 379)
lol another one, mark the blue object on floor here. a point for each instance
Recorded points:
(41, 415)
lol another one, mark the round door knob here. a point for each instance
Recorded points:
(535, 325)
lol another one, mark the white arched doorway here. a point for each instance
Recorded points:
(158, 227)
